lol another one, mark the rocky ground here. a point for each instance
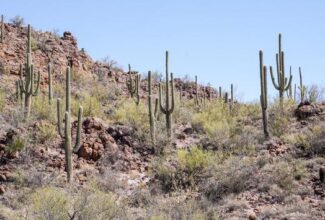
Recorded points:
(217, 165)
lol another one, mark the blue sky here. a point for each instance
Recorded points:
(216, 40)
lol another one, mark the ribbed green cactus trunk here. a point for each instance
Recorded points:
(67, 126)
(49, 70)
(151, 111)
(263, 97)
(169, 104)
(302, 88)
(220, 94)
(282, 83)
(2, 30)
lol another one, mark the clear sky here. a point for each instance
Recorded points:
(218, 40)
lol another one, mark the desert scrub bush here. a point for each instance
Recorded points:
(281, 173)
(16, 144)
(42, 110)
(136, 116)
(91, 106)
(2, 100)
(95, 204)
(232, 176)
(87, 204)
(45, 132)
(216, 121)
(190, 168)
(18, 21)
(279, 119)
(49, 203)
(308, 142)
(183, 112)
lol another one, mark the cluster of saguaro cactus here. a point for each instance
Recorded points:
(49, 71)
(67, 127)
(282, 84)
(26, 84)
(169, 94)
(302, 88)
(263, 98)
(133, 85)
(2, 30)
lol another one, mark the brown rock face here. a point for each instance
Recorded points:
(307, 109)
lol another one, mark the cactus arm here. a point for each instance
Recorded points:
(35, 93)
(78, 136)
(58, 107)
(273, 79)
(162, 109)
(173, 94)
(289, 83)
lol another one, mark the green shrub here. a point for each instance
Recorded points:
(191, 167)
(46, 132)
(279, 119)
(16, 144)
(42, 110)
(2, 100)
(90, 104)
(49, 203)
(127, 112)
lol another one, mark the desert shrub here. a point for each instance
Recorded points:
(183, 112)
(216, 121)
(34, 44)
(95, 204)
(279, 119)
(315, 93)
(16, 144)
(90, 104)
(136, 116)
(46, 132)
(243, 141)
(282, 174)
(2, 100)
(311, 142)
(18, 21)
(42, 110)
(49, 203)
(191, 167)
(231, 177)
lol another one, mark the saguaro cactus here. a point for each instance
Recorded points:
(169, 105)
(49, 70)
(220, 95)
(133, 85)
(226, 97)
(294, 93)
(67, 126)
(27, 84)
(151, 111)
(2, 30)
(302, 88)
(282, 83)
(263, 78)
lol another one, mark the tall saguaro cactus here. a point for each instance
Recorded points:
(169, 104)
(151, 111)
(27, 83)
(133, 85)
(302, 88)
(282, 83)
(2, 30)
(67, 126)
(49, 70)
(263, 78)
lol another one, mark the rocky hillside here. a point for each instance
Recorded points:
(217, 164)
